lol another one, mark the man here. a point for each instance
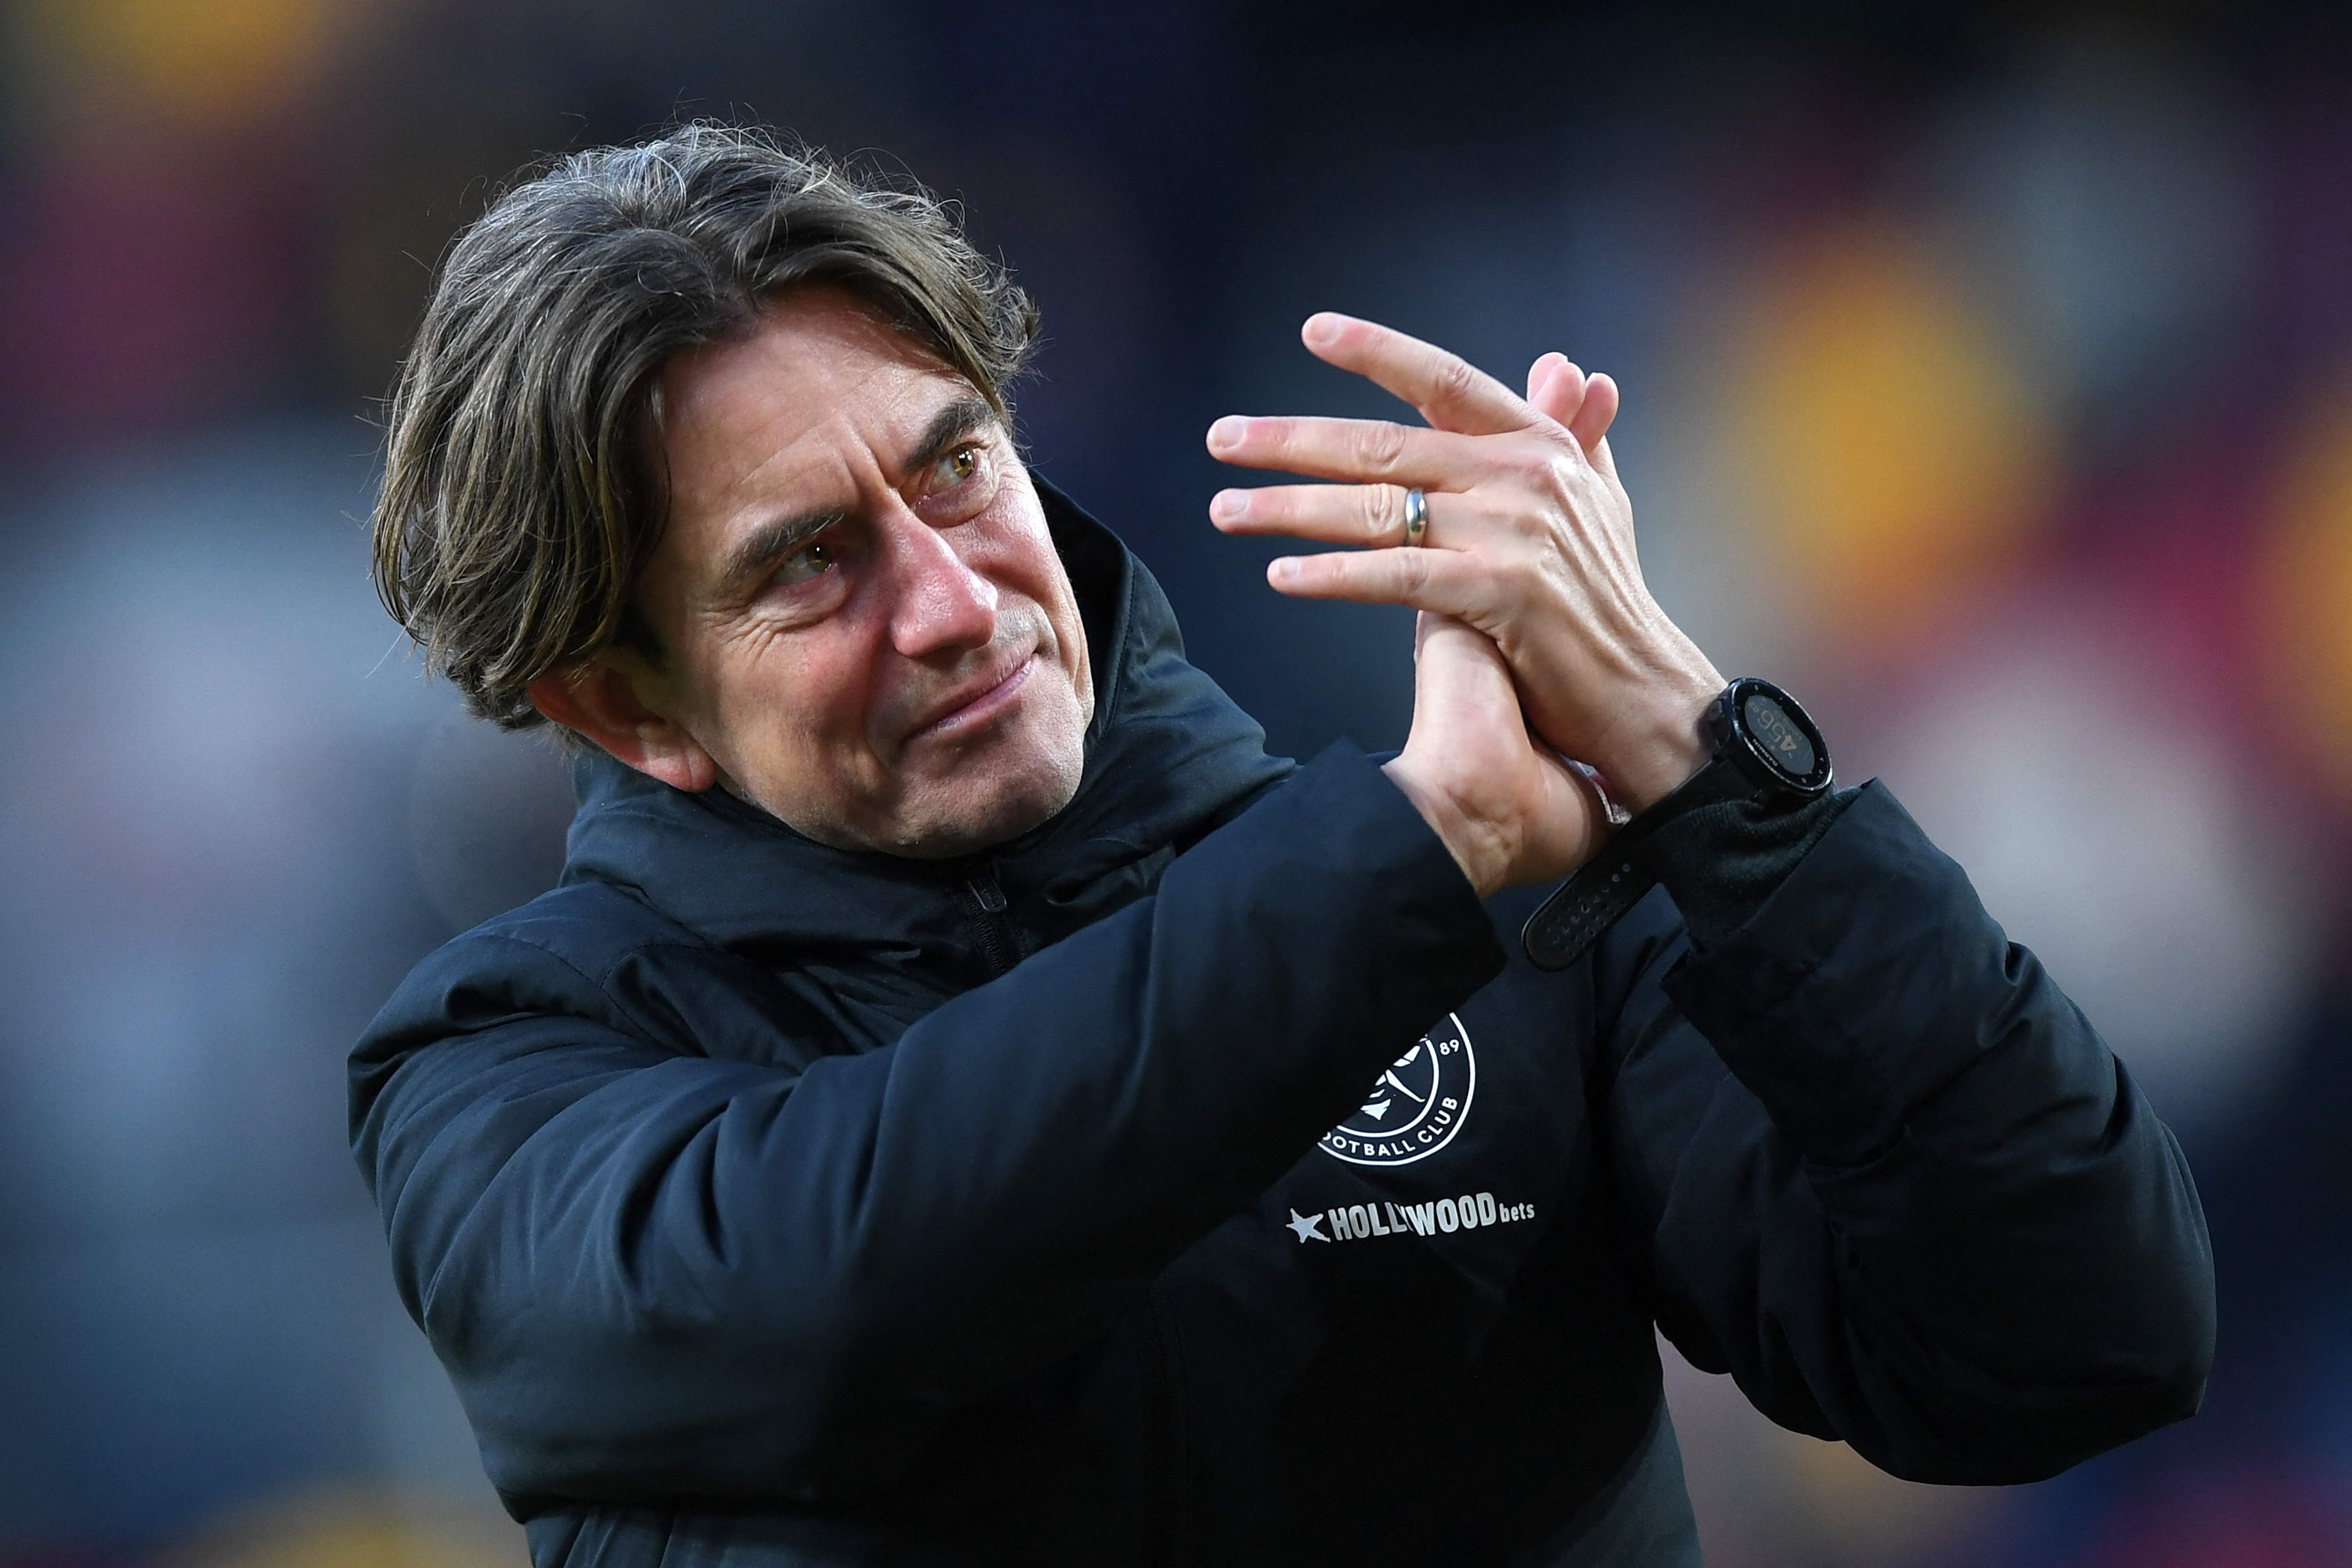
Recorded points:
(965, 1102)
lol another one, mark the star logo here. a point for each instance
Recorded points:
(1308, 1226)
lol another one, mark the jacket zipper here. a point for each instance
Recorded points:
(1000, 945)
(1000, 949)
(1169, 1545)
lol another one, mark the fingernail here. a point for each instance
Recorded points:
(1231, 505)
(1323, 329)
(1227, 432)
(1284, 569)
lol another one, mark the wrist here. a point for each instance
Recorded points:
(1667, 741)
(1475, 850)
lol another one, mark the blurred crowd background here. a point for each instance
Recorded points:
(1988, 377)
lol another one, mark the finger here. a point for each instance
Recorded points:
(1451, 393)
(1600, 411)
(1361, 449)
(1442, 581)
(1346, 515)
(1555, 388)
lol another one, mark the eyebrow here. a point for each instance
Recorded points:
(754, 556)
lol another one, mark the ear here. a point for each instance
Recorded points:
(603, 698)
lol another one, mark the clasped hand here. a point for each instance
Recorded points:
(1537, 634)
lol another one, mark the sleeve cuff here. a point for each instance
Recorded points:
(1388, 836)
(1720, 863)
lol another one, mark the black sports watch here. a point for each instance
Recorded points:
(1766, 748)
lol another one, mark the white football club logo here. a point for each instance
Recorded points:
(1417, 1106)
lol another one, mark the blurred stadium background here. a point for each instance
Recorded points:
(1988, 381)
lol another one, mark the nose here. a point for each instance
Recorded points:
(940, 607)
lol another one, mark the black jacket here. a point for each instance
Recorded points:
(770, 1204)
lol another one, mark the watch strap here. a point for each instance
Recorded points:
(1605, 889)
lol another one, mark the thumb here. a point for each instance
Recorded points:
(1462, 690)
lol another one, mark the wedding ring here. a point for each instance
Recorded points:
(1416, 516)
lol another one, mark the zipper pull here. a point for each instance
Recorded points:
(1000, 947)
(987, 891)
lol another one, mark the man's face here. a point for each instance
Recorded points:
(862, 620)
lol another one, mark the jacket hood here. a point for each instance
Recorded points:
(1168, 756)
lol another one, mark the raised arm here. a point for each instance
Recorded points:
(1892, 1179)
(651, 1273)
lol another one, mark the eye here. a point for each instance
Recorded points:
(805, 564)
(955, 469)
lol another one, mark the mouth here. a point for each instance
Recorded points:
(976, 704)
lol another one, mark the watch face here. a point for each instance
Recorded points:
(1782, 743)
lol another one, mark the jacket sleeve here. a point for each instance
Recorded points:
(1891, 1180)
(652, 1274)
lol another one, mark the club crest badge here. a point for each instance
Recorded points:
(1415, 1107)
